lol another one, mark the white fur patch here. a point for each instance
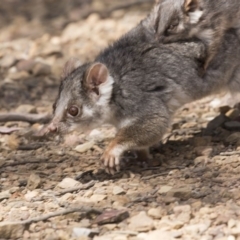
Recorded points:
(179, 99)
(88, 112)
(195, 16)
(180, 27)
(125, 123)
(105, 90)
(118, 150)
(206, 35)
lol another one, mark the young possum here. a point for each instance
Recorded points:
(136, 85)
(206, 20)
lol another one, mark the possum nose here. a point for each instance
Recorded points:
(52, 127)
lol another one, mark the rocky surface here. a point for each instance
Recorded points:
(55, 188)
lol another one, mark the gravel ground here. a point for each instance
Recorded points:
(55, 189)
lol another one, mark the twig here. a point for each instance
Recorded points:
(6, 130)
(83, 187)
(144, 199)
(124, 232)
(115, 8)
(41, 160)
(141, 199)
(32, 146)
(25, 117)
(165, 168)
(229, 153)
(128, 5)
(60, 213)
(155, 175)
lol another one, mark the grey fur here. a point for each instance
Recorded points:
(207, 20)
(151, 81)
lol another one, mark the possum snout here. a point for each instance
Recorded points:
(52, 127)
(59, 127)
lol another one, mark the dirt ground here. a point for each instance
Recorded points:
(54, 188)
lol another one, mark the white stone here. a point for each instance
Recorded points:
(118, 190)
(141, 222)
(11, 230)
(97, 197)
(30, 195)
(5, 195)
(84, 147)
(156, 235)
(204, 210)
(164, 189)
(182, 208)
(88, 193)
(184, 217)
(111, 236)
(95, 135)
(68, 183)
(166, 224)
(199, 228)
(83, 232)
(231, 223)
(155, 213)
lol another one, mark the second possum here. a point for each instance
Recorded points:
(207, 20)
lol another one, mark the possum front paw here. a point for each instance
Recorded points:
(111, 158)
(113, 154)
(114, 157)
(111, 163)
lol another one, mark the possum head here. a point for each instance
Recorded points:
(83, 99)
(171, 17)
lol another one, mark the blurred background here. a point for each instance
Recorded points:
(52, 16)
(38, 37)
(189, 190)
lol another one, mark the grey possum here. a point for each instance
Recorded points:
(207, 20)
(137, 84)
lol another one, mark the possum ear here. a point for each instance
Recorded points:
(98, 81)
(191, 5)
(70, 66)
(97, 75)
(193, 9)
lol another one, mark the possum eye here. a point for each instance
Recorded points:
(173, 26)
(73, 111)
(54, 106)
